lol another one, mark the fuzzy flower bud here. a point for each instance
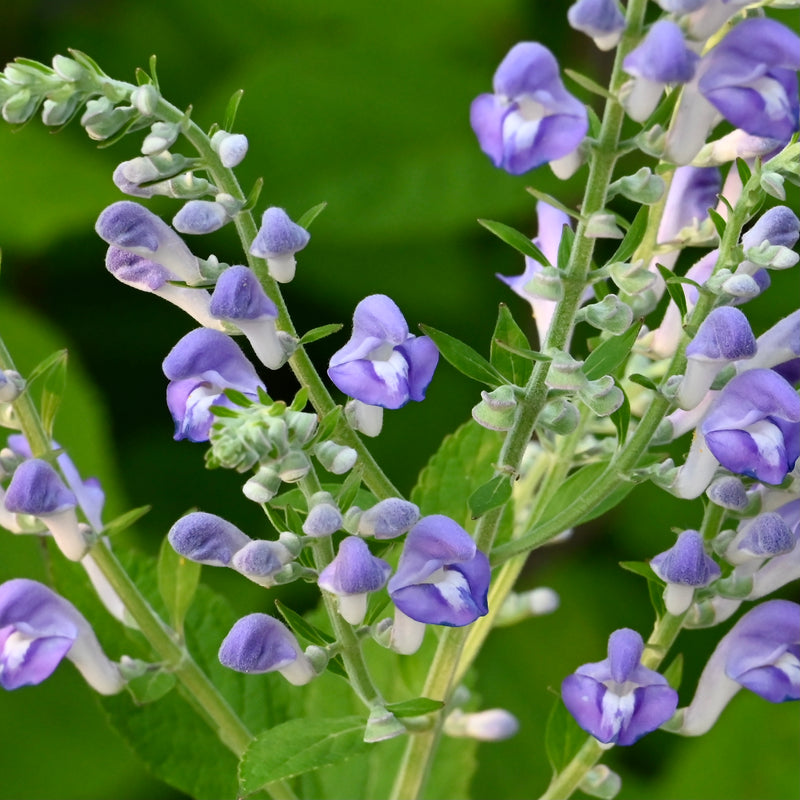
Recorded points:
(277, 241)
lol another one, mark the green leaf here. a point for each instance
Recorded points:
(328, 424)
(298, 746)
(642, 568)
(315, 334)
(151, 686)
(551, 201)
(622, 417)
(519, 241)
(124, 521)
(589, 84)
(303, 628)
(565, 247)
(346, 496)
(414, 708)
(462, 463)
(300, 400)
(55, 381)
(231, 109)
(719, 222)
(310, 215)
(642, 380)
(530, 355)
(508, 343)
(237, 398)
(562, 738)
(178, 578)
(633, 238)
(492, 494)
(744, 171)
(674, 289)
(656, 594)
(576, 485)
(674, 672)
(252, 198)
(466, 360)
(153, 73)
(610, 353)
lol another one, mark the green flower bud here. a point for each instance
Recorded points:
(603, 396)
(559, 416)
(20, 107)
(633, 278)
(565, 372)
(643, 187)
(610, 314)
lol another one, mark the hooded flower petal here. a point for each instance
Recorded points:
(206, 539)
(277, 241)
(618, 700)
(530, 119)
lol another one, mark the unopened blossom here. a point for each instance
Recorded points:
(200, 367)
(200, 217)
(132, 227)
(383, 365)
(206, 538)
(776, 346)
(260, 560)
(37, 489)
(728, 492)
(764, 536)
(491, 725)
(259, 643)
(600, 19)
(240, 299)
(662, 58)
(324, 517)
(388, 518)
(352, 574)
(761, 652)
(231, 147)
(684, 567)
(531, 119)
(618, 700)
(39, 628)
(148, 276)
(778, 227)
(277, 240)
(750, 78)
(724, 336)
(441, 579)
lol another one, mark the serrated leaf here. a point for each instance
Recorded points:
(622, 417)
(298, 746)
(302, 627)
(610, 353)
(414, 708)
(508, 342)
(633, 238)
(124, 521)
(178, 578)
(552, 201)
(514, 238)
(315, 334)
(642, 380)
(576, 485)
(492, 494)
(674, 289)
(565, 245)
(306, 219)
(563, 737)
(466, 360)
(151, 686)
(231, 110)
(589, 84)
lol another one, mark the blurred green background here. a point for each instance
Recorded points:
(365, 106)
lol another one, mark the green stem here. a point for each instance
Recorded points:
(203, 694)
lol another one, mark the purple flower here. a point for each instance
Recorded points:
(200, 216)
(753, 428)
(134, 228)
(383, 365)
(600, 19)
(684, 567)
(259, 643)
(388, 518)
(239, 298)
(200, 367)
(277, 241)
(206, 539)
(662, 58)
(750, 78)
(231, 147)
(760, 652)
(351, 575)
(777, 346)
(618, 700)
(38, 628)
(724, 336)
(37, 489)
(148, 276)
(441, 579)
(531, 119)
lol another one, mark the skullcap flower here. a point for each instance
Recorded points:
(277, 241)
